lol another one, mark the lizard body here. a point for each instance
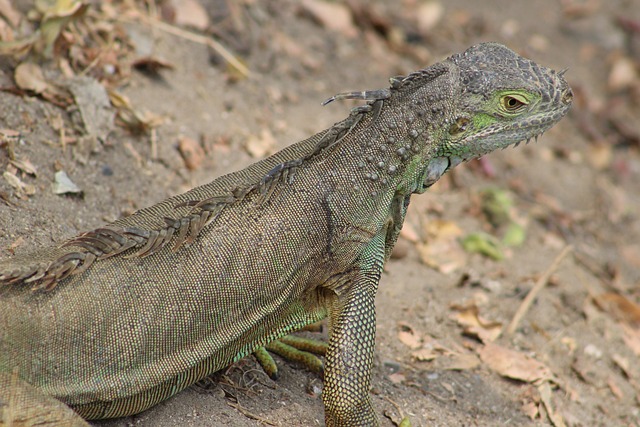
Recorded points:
(120, 318)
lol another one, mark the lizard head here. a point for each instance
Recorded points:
(502, 99)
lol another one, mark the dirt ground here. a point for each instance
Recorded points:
(444, 356)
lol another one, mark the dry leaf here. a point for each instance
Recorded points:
(619, 307)
(430, 350)
(397, 378)
(29, 76)
(475, 325)
(21, 188)
(623, 73)
(260, 146)
(623, 364)
(191, 152)
(513, 364)
(8, 11)
(62, 184)
(425, 354)
(25, 166)
(441, 250)
(531, 410)
(151, 65)
(94, 105)
(631, 338)
(429, 15)
(409, 232)
(55, 18)
(631, 254)
(570, 343)
(16, 244)
(545, 395)
(136, 121)
(408, 336)
(332, 16)
(600, 155)
(187, 13)
(615, 389)
(458, 362)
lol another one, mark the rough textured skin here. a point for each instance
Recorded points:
(120, 318)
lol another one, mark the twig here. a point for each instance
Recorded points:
(249, 414)
(197, 38)
(531, 296)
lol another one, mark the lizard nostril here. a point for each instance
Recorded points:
(567, 96)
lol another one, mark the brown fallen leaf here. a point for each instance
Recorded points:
(15, 245)
(430, 350)
(408, 336)
(260, 145)
(151, 65)
(475, 325)
(187, 13)
(191, 152)
(615, 389)
(600, 155)
(25, 166)
(409, 233)
(458, 362)
(425, 354)
(531, 410)
(22, 189)
(514, 364)
(623, 73)
(441, 250)
(55, 17)
(332, 16)
(429, 14)
(623, 364)
(134, 120)
(631, 254)
(631, 338)
(619, 307)
(29, 76)
(397, 378)
(545, 396)
(10, 13)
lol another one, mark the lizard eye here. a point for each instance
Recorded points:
(513, 104)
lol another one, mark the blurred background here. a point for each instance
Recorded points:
(110, 106)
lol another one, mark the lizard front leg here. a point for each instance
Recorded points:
(349, 358)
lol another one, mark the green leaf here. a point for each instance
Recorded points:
(496, 205)
(483, 244)
(515, 235)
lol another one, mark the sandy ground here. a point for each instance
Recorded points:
(438, 360)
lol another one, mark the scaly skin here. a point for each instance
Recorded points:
(120, 318)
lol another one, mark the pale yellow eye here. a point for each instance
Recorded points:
(512, 104)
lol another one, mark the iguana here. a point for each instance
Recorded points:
(119, 318)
